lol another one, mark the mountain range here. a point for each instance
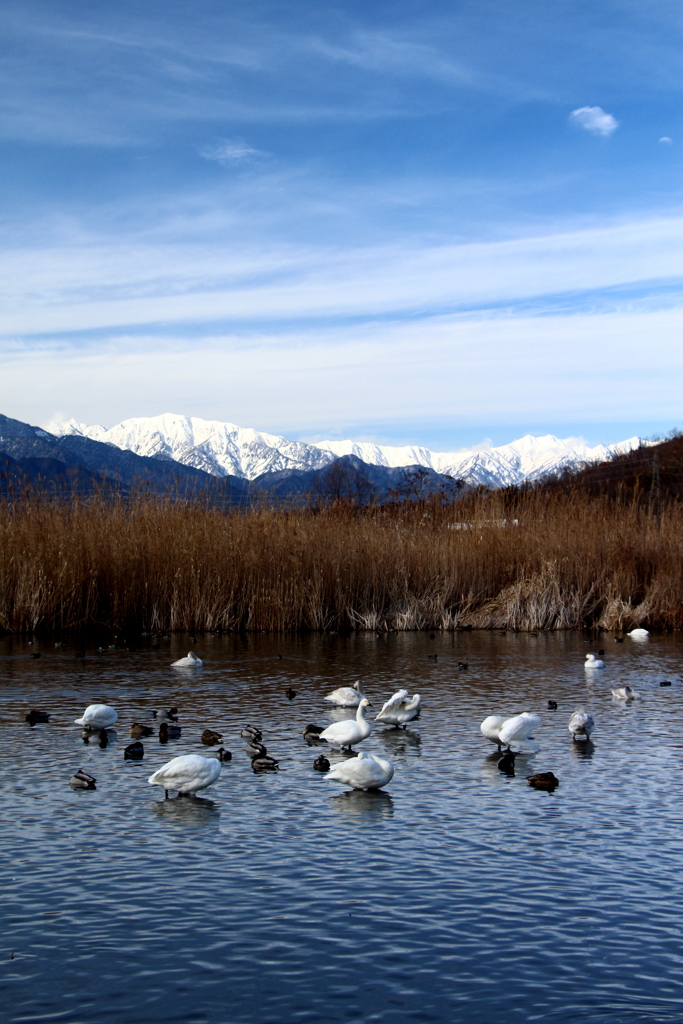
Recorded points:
(227, 450)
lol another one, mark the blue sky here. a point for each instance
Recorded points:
(412, 222)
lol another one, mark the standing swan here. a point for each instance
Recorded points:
(400, 709)
(364, 771)
(519, 728)
(349, 732)
(347, 696)
(187, 774)
(191, 661)
(593, 662)
(97, 716)
(581, 725)
(491, 727)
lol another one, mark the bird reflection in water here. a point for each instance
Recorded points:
(399, 741)
(583, 751)
(522, 765)
(191, 811)
(358, 803)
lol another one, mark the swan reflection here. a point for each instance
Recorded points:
(398, 741)
(192, 811)
(357, 803)
(583, 751)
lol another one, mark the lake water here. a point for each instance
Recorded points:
(458, 894)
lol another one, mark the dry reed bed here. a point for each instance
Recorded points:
(532, 562)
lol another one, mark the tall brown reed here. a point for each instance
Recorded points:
(534, 561)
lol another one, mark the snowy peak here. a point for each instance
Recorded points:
(225, 449)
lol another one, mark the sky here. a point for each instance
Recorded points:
(429, 222)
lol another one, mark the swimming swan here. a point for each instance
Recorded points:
(364, 771)
(97, 716)
(187, 774)
(581, 725)
(400, 709)
(347, 696)
(639, 634)
(626, 693)
(593, 662)
(191, 661)
(349, 732)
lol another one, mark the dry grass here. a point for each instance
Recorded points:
(149, 565)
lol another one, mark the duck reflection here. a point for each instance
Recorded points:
(399, 741)
(189, 811)
(357, 803)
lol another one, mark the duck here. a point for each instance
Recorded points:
(552, 705)
(349, 732)
(626, 693)
(81, 780)
(364, 771)
(400, 709)
(290, 693)
(224, 755)
(321, 764)
(263, 763)
(97, 716)
(134, 751)
(251, 733)
(191, 661)
(581, 725)
(347, 696)
(169, 732)
(463, 666)
(507, 763)
(312, 733)
(137, 731)
(186, 774)
(209, 737)
(543, 780)
(639, 634)
(256, 749)
(35, 716)
(593, 662)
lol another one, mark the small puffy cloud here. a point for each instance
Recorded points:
(666, 140)
(230, 151)
(594, 120)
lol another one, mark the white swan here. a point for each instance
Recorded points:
(350, 731)
(519, 728)
(364, 771)
(191, 661)
(593, 662)
(626, 693)
(399, 709)
(490, 728)
(581, 725)
(187, 774)
(639, 634)
(97, 716)
(347, 696)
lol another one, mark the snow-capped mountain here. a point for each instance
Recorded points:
(225, 449)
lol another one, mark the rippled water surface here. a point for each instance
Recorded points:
(458, 894)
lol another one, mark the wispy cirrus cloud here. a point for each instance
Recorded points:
(231, 151)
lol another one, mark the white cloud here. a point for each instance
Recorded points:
(594, 120)
(230, 151)
(665, 139)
